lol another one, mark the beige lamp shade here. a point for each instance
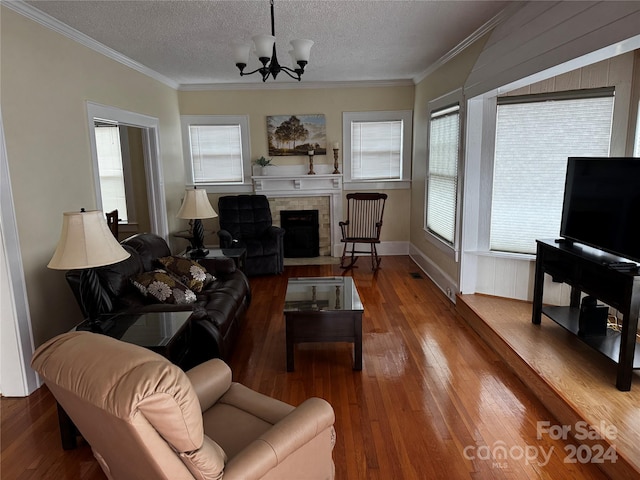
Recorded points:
(86, 242)
(196, 205)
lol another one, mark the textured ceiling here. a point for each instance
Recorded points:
(190, 42)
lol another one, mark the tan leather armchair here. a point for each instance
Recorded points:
(147, 419)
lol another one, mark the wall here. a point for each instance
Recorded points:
(331, 102)
(46, 80)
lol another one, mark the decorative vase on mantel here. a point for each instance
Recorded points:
(263, 166)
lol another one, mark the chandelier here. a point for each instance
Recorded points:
(265, 48)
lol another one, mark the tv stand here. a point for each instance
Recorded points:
(588, 272)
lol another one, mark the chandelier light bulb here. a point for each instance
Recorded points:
(301, 49)
(264, 45)
(241, 52)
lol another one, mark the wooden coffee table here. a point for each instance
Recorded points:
(323, 309)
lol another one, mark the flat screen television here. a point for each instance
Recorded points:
(601, 206)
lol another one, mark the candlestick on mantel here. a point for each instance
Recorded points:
(336, 149)
(310, 153)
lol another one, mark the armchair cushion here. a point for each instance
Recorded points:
(210, 381)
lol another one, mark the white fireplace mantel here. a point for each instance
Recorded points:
(292, 181)
(294, 178)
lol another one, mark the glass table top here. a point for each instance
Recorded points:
(321, 293)
(152, 329)
(221, 252)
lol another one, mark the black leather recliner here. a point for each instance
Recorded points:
(245, 221)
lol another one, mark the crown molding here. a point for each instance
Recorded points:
(296, 85)
(26, 10)
(479, 33)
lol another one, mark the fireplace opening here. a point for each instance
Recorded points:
(301, 237)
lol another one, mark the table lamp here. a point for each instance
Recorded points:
(86, 243)
(196, 206)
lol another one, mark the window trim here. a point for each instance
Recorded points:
(378, 116)
(447, 100)
(246, 184)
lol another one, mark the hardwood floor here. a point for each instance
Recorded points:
(432, 401)
(576, 383)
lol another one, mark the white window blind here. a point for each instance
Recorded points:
(111, 170)
(216, 153)
(376, 150)
(442, 177)
(533, 142)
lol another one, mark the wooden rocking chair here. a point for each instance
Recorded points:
(363, 225)
(112, 222)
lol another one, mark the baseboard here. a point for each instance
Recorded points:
(444, 282)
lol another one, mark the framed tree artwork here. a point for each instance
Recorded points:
(296, 134)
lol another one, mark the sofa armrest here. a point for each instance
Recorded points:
(274, 231)
(210, 381)
(226, 239)
(302, 425)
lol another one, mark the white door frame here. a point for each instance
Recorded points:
(152, 165)
(17, 379)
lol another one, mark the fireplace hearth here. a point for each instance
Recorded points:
(301, 238)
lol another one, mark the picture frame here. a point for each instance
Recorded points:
(295, 135)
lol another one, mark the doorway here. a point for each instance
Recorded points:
(122, 176)
(138, 144)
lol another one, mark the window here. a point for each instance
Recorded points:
(535, 134)
(216, 149)
(377, 148)
(112, 170)
(442, 173)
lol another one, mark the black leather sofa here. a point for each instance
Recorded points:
(218, 311)
(245, 221)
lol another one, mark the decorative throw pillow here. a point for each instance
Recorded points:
(188, 271)
(163, 287)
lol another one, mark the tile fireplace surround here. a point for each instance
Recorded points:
(290, 188)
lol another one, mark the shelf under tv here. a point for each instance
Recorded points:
(608, 345)
(587, 272)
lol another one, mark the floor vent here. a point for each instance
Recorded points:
(415, 275)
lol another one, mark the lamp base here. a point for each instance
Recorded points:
(95, 300)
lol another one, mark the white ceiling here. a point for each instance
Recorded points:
(190, 42)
